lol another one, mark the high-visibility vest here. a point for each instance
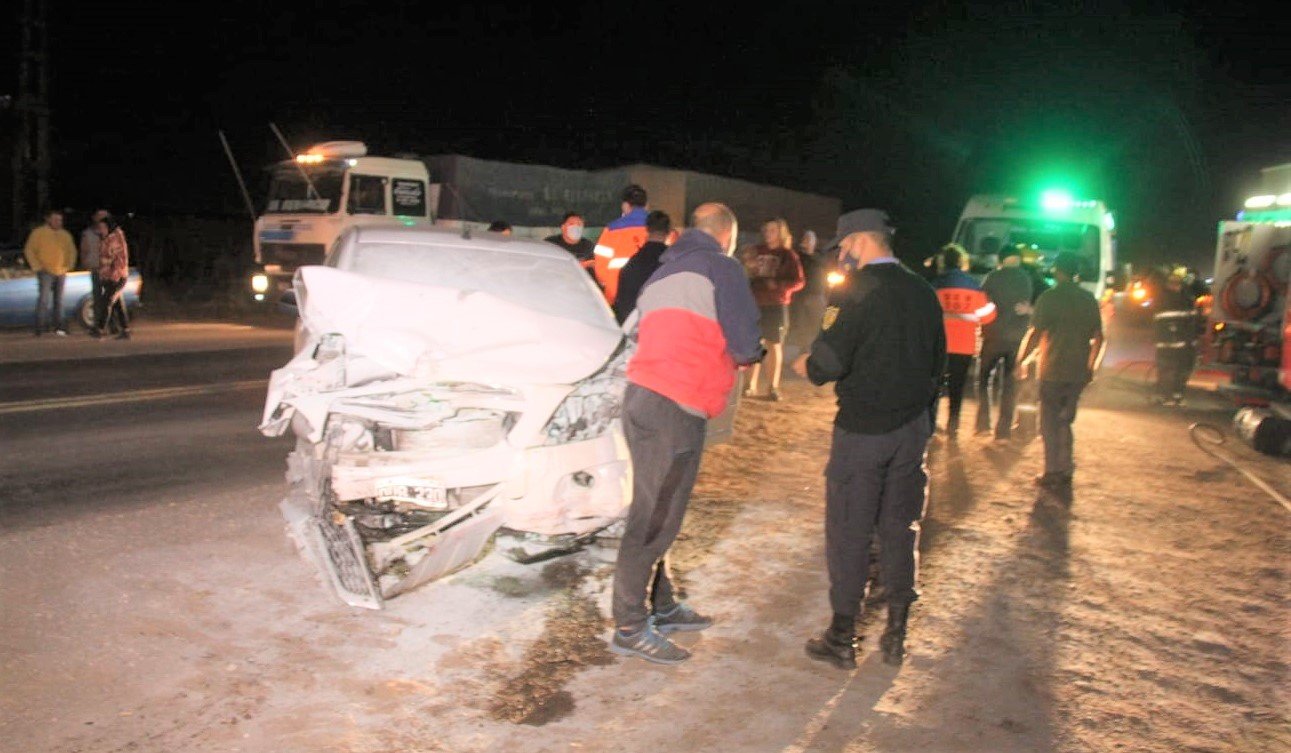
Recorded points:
(619, 242)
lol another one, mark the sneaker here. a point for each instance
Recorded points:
(649, 644)
(61, 332)
(680, 619)
(833, 649)
(774, 395)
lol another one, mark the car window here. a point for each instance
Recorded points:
(553, 285)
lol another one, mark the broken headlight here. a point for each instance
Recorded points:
(594, 404)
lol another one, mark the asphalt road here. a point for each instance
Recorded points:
(125, 430)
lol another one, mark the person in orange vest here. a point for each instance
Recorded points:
(965, 308)
(620, 240)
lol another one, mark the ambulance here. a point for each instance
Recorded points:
(1042, 226)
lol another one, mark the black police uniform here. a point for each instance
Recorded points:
(884, 346)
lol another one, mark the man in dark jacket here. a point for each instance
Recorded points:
(1009, 288)
(571, 239)
(643, 263)
(884, 347)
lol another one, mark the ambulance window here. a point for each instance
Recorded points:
(409, 197)
(367, 195)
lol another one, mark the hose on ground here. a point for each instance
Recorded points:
(1208, 434)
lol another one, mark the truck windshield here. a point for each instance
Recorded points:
(984, 237)
(290, 193)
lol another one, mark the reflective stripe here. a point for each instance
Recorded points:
(985, 311)
(618, 263)
(604, 251)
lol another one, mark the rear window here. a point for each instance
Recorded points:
(556, 286)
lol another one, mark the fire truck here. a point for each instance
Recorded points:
(1248, 326)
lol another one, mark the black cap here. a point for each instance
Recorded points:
(861, 221)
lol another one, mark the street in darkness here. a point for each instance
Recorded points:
(154, 602)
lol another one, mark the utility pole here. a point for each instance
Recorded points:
(31, 110)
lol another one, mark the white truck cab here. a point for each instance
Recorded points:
(324, 191)
(1045, 226)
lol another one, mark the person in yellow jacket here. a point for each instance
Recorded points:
(51, 254)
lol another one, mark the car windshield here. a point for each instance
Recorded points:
(984, 237)
(291, 193)
(546, 284)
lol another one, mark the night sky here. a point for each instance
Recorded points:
(1166, 110)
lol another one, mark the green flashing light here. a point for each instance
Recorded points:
(1054, 200)
(1266, 215)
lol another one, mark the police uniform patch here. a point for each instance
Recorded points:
(831, 314)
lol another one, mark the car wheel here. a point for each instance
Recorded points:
(85, 312)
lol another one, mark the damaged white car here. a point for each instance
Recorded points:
(447, 387)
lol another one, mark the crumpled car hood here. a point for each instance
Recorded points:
(444, 334)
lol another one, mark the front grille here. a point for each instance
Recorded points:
(346, 564)
(292, 255)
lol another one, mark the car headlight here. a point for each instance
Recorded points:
(259, 283)
(594, 404)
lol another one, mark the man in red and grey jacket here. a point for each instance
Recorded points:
(698, 323)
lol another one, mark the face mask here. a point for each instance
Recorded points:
(574, 233)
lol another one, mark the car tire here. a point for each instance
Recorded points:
(85, 312)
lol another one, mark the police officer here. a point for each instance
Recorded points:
(884, 347)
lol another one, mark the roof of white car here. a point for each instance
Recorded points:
(445, 237)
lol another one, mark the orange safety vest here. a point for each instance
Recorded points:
(965, 310)
(619, 242)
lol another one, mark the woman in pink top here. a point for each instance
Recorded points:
(114, 270)
(775, 274)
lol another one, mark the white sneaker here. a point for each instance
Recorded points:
(61, 332)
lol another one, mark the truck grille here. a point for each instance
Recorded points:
(292, 255)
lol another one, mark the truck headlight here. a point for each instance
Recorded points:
(259, 283)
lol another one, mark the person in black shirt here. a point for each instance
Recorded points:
(643, 263)
(884, 347)
(571, 239)
(807, 308)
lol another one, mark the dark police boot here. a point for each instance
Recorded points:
(893, 641)
(837, 645)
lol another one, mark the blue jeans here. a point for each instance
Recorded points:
(51, 286)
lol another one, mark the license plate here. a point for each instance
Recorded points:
(423, 492)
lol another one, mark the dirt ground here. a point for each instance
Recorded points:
(1149, 612)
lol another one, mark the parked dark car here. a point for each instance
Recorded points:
(18, 292)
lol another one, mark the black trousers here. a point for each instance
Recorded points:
(953, 381)
(666, 444)
(1174, 366)
(110, 305)
(998, 360)
(875, 479)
